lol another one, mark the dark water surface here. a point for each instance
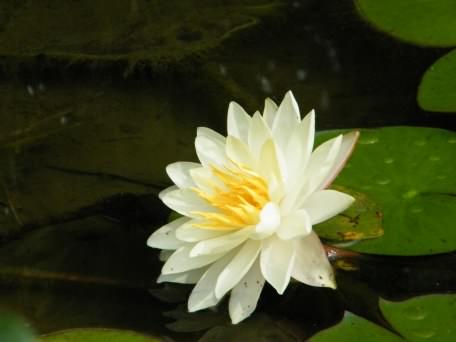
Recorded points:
(85, 144)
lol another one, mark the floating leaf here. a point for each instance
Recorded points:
(409, 172)
(97, 335)
(437, 90)
(429, 318)
(422, 22)
(14, 329)
(363, 220)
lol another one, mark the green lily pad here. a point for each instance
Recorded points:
(437, 89)
(133, 32)
(14, 329)
(430, 318)
(97, 335)
(363, 220)
(422, 22)
(409, 172)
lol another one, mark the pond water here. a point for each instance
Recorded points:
(96, 100)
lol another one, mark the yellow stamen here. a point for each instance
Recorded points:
(238, 203)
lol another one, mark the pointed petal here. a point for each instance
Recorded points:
(203, 294)
(237, 268)
(238, 151)
(346, 149)
(180, 173)
(165, 237)
(244, 296)
(180, 261)
(190, 277)
(210, 151)
(210, 134)
(295, 224)
(205, 180)
(186, 202)
(321, 162)
(167, 190)
(221, 244)
(324, 204)
(259, 132)
(238, 122)
(312, 266)
(269, 112)
(189, 233)
(276, 261)
(287, 118)
(271, 167)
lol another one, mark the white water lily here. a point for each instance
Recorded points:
(248, 208)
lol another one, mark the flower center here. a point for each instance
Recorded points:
(238, 195)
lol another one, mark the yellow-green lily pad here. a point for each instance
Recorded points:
(409, 172)
(363, 220)
(97, 335)
(437, 90)
(421, 22)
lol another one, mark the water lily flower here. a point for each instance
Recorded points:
(248, 208)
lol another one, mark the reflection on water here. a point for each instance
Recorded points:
(85, 143)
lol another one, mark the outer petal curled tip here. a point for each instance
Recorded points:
(347, 147)
(269, 112)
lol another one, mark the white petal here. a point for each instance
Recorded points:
(269, 112)
(221, 244)
(165, 237)
(324, 204)
(210, 134)
(269, 220)
(238, 151)
(237, 268)
(210, 151)
(238, 122)
(180, 173)
(348, 144)
(276, 261)
(203, 294)
(185, 202)
(180, 261)
(321, 162)
(244, 296)
(189, 233)
(162, 193)
(190, 277)
(259, 132)
(311, 265)
(270, 166)
(205, 180)
(295, 224)
(287, 118)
